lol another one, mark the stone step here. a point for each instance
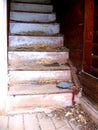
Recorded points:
(33, 1)
(32, 17)
(38, 77)
(22, 59)
(37, 89)
(15, 6)
(34, 29)
(16, 42)
(31, 103)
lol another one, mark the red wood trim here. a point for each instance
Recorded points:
(88, 35)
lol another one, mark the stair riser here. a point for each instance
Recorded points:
(36, 102)
(38, 89)
(34, 29)
(31, 77)
(33, 1)
(36, 58)
(31, 41)
(31, 7)
(32, 17)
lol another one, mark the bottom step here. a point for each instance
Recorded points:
(29, 103)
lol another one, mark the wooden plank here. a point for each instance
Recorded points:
(31, 77)
(36, 89)
(16, 122)
(3, 55)
(88, 35)
(60, 123)
(95, 61)
(31, 122)
(45, 122)
(27, 103)
(95, 71)
(75, 14)
(95, 49)
(3, 123)
(90, 86)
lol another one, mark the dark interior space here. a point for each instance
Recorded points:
(80, 28)
(71, 16)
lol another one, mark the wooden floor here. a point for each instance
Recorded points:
(34, 121)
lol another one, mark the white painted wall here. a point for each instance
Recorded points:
(3, 55)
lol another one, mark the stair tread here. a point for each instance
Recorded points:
(23, 89)
(16, 16)
(38, 67)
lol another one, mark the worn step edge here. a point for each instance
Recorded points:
(43, 49)
(32, 2)
(36, 89)
(29, 103)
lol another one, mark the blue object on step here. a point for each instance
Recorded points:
(64, 84)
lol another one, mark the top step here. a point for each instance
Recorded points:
(33, 1)
(29, 7)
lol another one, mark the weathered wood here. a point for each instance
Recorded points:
(36, 89)
(31, 7)
(95, 38)
(3, 55)
(76, 58)
(74, 36)
(90, 86)
(88, 35)
(33, 1)
(73, 28)
(16, 122)
(36, 29)
(90, 108)
(31, 122)
(95, 71)
(75, 14)
(45, 122)
(32, 17)
(30, 103)
(30, 60)
(34, 41)
(31, 77)
(95, 61)
(95, 49)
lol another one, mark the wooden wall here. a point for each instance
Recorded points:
(95, 42)
(74, 33)
(71, 15)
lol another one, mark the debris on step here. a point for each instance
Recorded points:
(76, 117)
(45, 61)
(65, 85)
(52, 65)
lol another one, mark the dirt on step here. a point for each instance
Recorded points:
(76, 116)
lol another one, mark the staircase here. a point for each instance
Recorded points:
(37, 58)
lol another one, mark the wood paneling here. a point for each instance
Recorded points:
(73, 30)
(88, 35)
(90, 86)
